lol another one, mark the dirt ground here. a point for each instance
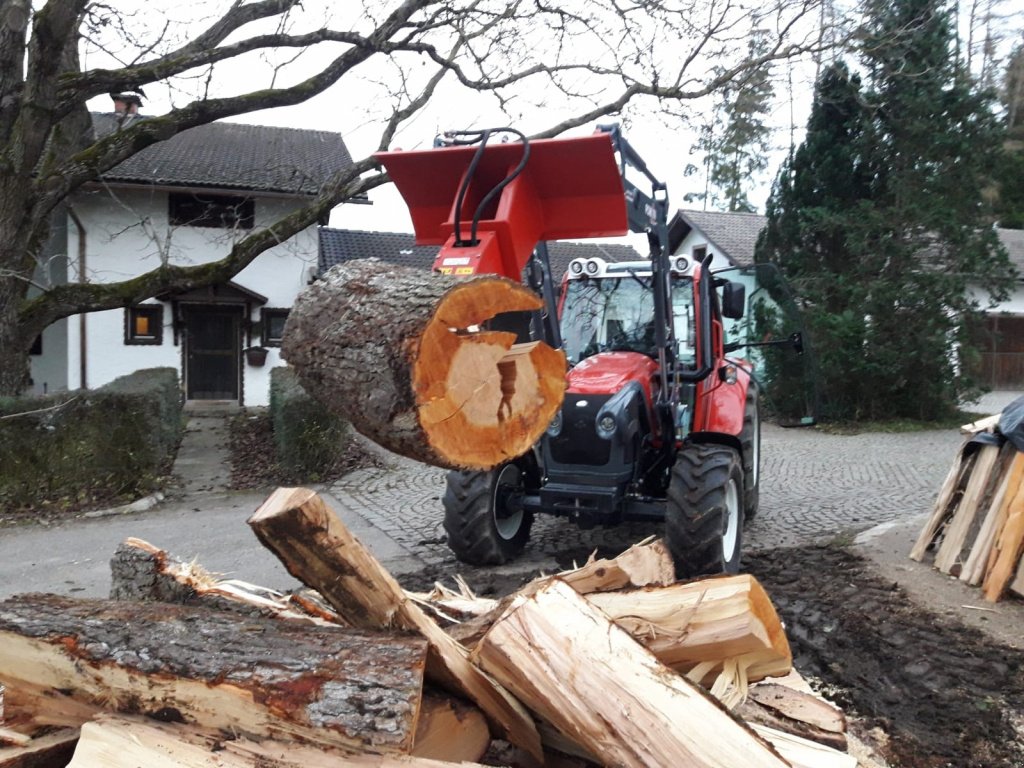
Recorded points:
(923, 689)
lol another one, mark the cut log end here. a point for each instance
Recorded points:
(483, 399)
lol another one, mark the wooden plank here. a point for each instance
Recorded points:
(977, 561)
(986, 424)
(1009, 542)
(316, 548)
(796, 705)
(348, 688)
(942, 507)
(956, 531)
(603, 690)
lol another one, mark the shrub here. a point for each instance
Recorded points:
(75, 447)
(308, 439)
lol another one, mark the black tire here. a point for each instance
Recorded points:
(750, 441)
(485, 523)
(703, 513)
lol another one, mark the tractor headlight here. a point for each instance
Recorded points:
(682, 264)
(593, 267)
(606, 425)
(555, 427)
(576, 267)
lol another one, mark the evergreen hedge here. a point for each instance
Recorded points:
(71, 447)
(308, 439)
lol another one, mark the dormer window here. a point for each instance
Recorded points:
(188, 209)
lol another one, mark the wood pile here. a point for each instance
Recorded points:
(612, 663)
(976, 529)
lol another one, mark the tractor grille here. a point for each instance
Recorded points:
(578, 442)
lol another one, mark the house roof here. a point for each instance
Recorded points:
(235, 156)
(1013, 242)
(339, 245)
(733, 235)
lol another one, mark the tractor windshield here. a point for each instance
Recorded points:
(615, 314)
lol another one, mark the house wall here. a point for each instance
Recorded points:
(127, 233)
(49, 370)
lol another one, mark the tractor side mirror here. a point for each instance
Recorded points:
(734, 300)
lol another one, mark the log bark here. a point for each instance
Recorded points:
(145, 573)
(353, 689)
(603, 690)
(402, 356)
(125, 742)
(318, 550)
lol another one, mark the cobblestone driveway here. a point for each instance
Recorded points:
(814, 486)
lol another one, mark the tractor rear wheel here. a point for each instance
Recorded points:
(750, 440)
(704, 511)
(484, 515)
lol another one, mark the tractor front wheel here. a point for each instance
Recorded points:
(484, 516)
(704, 511)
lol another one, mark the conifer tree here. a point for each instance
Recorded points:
(879, 219)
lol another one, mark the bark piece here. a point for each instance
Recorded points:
(332, 686)
(317, 549)
(401, 354)
(128, 742)
(600, 688)
(143, 572)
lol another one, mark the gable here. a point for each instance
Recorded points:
(730, 235)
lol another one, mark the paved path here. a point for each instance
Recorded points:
(814, 486)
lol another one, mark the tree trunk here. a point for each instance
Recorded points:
(401, 354)
(14, 359)
(339, 687)
(317, 549)
(600, 688)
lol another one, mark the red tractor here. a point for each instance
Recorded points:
(658, 423)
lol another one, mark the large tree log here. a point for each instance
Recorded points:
(400, 353)
(318, 550)
(347, 688)
(603, 690)
(124, 742)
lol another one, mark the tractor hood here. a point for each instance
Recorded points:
(608, 372)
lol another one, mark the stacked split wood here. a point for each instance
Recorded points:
(976, 529)
(608, 664)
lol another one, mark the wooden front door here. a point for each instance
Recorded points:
(213, 336)
(1002, 362)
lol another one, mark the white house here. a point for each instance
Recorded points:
(186, 201)
(1002, 359)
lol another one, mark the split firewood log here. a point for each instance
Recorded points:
(143, 572)
(647, 563)
(53, 748)
(722, 630)
(318, 550)
(346, 688)
(601, 689)
(129, 742)
(406, 358)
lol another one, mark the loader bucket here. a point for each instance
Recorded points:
(570, 188)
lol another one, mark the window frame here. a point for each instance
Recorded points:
(156, 312)
(195, 209)
(267, 314)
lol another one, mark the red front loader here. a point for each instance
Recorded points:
(657, 422)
